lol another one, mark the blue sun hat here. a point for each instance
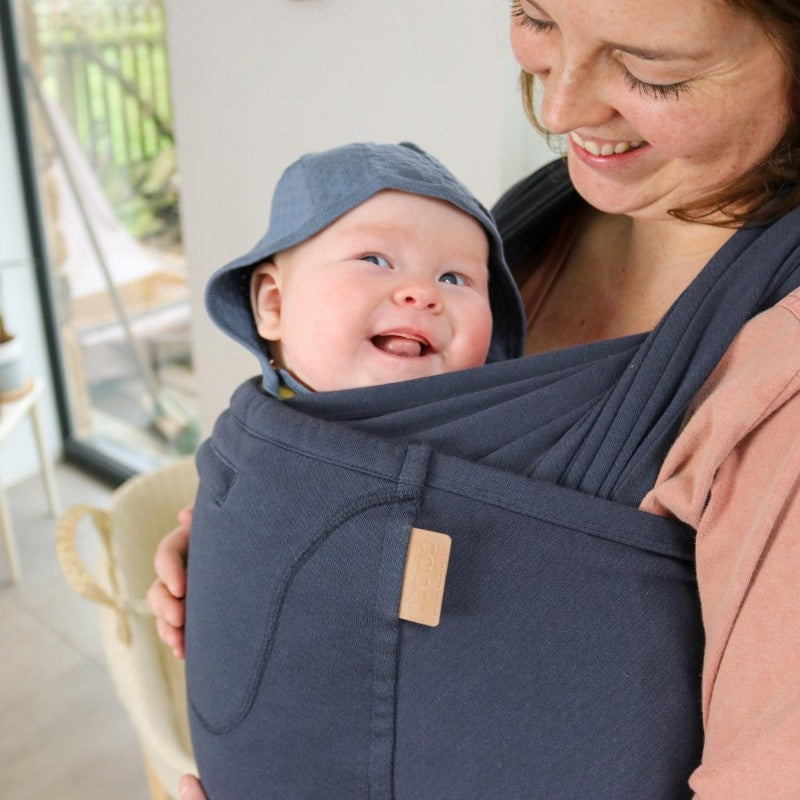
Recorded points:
(315, 191)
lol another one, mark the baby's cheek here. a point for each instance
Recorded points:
(478, 337)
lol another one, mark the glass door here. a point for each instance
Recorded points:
(93, 114)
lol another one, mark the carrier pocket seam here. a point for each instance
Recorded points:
(473, 493)
(389, 476)
(255, 677)
(220, 500)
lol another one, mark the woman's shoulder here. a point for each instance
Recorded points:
(792, 303)
(761, 366)
(748, 557)
(750, 403)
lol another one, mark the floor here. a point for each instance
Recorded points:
(63, 733)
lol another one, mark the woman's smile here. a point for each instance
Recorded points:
(604, 147)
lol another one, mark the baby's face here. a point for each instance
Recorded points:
(395, 289)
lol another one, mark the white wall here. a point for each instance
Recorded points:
(256, 84)
(18, 458)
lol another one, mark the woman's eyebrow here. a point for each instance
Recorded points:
(658, 53)
(645, 53)
(538, 8)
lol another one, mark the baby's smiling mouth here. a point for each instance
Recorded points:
(403, 345)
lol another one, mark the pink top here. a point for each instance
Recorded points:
(734, 475)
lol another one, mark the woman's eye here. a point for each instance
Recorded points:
(659, 91)
(379, 261)
(527, 21)
(454, 278)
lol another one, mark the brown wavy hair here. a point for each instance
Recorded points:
(771, 188)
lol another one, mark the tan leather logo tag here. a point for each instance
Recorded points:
(423, 580)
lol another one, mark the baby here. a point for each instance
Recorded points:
(378, 266)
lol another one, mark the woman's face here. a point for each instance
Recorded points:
(660, 101)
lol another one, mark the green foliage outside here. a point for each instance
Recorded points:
(106, 66)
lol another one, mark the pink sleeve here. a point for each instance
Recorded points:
(734, 474)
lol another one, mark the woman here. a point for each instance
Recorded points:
(682, 123)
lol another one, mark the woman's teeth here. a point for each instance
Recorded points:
(606, 148)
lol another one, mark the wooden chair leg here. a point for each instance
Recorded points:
(10, 543)
(157, 790)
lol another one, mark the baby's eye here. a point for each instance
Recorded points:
(454, 278)
(379, 261)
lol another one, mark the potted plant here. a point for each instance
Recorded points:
(12, 375)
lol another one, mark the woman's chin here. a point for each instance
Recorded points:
(621, 192)
(618, 198)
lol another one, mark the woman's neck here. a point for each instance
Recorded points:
(620, 278)
(652, 261)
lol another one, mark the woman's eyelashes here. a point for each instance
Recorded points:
(527, 21)
(658, 91)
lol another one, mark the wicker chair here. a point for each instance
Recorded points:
(148, 679)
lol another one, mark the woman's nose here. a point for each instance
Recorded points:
(572, 97)
(418, 294)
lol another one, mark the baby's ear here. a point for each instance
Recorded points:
(265, 299)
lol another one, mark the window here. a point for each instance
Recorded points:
(93, 108)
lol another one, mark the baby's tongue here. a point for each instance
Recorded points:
(398, 345)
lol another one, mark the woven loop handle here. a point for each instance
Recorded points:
(76, 572)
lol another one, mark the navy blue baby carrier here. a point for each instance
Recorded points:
(567, 661)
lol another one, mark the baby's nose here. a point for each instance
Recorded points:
(418, 294)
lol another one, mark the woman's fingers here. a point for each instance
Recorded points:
(172, 637)
(191, 789)
(169, 613)
(166, 608)
(185, 517)
(171, 555)
(165, 596)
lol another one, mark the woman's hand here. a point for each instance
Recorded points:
(165, 597)
(191, 789)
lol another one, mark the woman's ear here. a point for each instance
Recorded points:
(265, 299)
